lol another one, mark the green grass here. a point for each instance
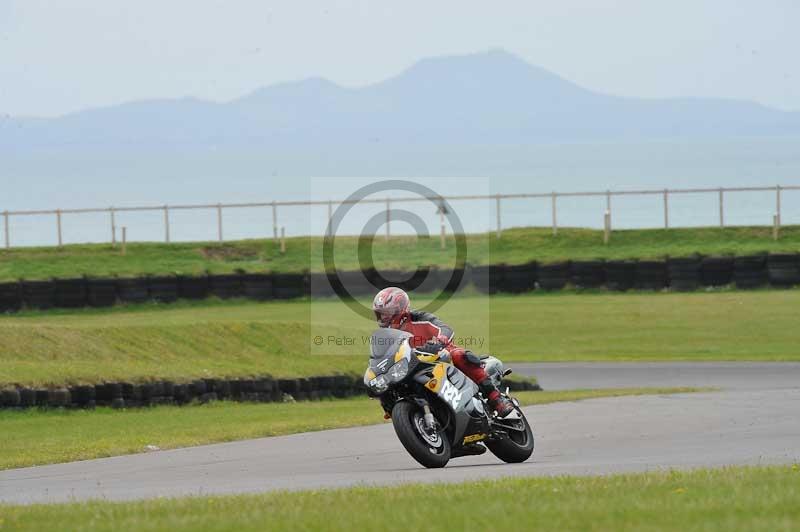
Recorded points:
(724, 500)
(35, 437)
(516, 246)
(236, 338)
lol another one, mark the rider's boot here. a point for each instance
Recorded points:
(472, 449)
(501, 405)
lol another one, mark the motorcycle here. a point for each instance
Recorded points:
(437, 412)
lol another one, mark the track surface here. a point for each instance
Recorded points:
(755, 419)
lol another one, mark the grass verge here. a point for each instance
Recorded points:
(237, 338)
(516, 246)
(36, 437)
(728, 499)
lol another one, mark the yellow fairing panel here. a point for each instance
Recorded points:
(439, 375)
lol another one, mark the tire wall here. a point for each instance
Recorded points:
(677, 274)
(264, 389)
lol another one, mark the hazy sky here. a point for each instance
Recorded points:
(57, 57)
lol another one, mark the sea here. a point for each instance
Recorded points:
(66, 180)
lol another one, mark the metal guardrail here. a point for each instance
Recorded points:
(274, 205)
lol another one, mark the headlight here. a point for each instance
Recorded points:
(379, 384)
(399, 371)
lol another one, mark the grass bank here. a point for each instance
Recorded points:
(243, 338)
(516, 246)
(36, 437)
(729, 499)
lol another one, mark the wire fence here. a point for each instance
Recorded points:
(719, 195)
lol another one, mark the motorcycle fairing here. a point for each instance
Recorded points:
(457, 391)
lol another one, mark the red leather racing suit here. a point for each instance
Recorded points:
(425, 326)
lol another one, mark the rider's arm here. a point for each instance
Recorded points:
(442, 332)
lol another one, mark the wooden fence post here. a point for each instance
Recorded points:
(58, 224)
(274, 221)
(388, 219)
(166, 224)
(499, 219)
(113, 227)
(219, 221)
(6, 229)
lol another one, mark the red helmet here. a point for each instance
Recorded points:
(391, 307)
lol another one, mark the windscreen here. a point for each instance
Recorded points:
(386, 342)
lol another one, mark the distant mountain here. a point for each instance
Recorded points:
(487, 99)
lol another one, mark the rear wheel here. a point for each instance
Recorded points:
(429, 448)
(515, 444)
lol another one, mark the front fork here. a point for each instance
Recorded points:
(430, 421)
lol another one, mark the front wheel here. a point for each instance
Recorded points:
(515, 444)
(429, 448)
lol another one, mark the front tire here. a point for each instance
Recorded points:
(430, 450)
(516, 446)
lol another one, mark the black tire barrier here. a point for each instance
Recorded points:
(59, 397)
(290, 386)
(70, 293)
(152, 393)
(27, 397)
(225, 286)
(588, 274)
(10, 397)
(519, 278)
(684, 273)
(319, 285)
(354, 282)
(620, 275)
(257, 286)
(420, 280)
(716, 271)
(750, 272)
(101, 292)
(783, 270)
(10, 297)
(128, 390)
(39, 294)
(180, 393)
(197, 388)
(288, 285)
(42, 397)
(651, 275)
(83, 395)
(522, 385)
(488, 279)
(193, 287)
(133, 290)
(427, 281)
(105, 393)
(681, 274)
(146, 393)
(554, 276)
(162, 289)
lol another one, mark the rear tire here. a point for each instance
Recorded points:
(516, 447)
(430, 450)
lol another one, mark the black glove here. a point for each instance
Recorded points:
(432, 346)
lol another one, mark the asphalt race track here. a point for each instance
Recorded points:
(754, 419)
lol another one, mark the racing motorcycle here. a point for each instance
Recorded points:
(438, 413)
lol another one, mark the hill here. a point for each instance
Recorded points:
(488, 99)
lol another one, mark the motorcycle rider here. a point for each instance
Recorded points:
(392, 308)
